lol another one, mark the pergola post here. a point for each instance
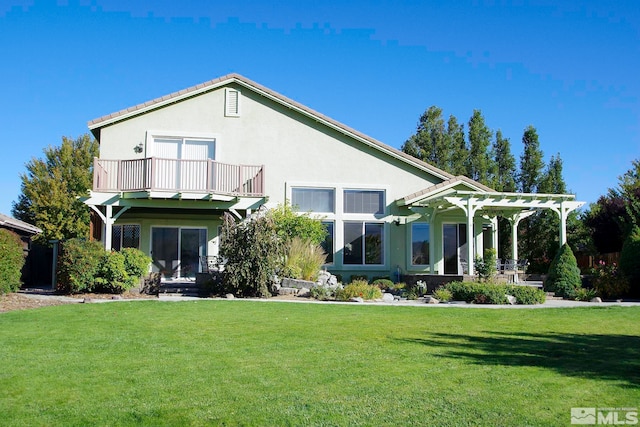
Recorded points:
(470, 211)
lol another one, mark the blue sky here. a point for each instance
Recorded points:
(569, 68)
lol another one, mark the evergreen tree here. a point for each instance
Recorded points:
(51, 186)
(458, 147)
(504, 178)
(428, 143)
(531, 162)
(480, 162)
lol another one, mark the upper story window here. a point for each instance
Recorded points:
(364, 201)
(321, 200)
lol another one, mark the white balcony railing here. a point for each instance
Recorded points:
(197, 176)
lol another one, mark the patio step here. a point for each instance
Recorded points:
(185, 289)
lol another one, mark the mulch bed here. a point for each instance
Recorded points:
(29, 299)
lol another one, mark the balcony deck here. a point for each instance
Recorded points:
(173, 175)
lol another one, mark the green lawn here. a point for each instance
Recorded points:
(273, 363)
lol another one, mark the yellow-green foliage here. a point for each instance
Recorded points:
(11, 261)
(359, 288)
(304, 259)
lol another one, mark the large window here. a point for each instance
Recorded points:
(420, 244)
(364, 243)
(364, 201)
(327, 245)
(125, 236)
(313, 199)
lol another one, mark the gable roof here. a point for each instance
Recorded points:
(109, 119)
(16, 224)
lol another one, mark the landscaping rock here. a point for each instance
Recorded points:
(116, 297)
(287, 282)
(356, 299)
(387, 297)
(326, 279)
(596, 299)
(229, 296)
(512, 300)
(87, 300)
(288, 291)
(432, 300)
(304, 292)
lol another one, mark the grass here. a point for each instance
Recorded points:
(258, 363)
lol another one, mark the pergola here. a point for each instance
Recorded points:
(481, 201)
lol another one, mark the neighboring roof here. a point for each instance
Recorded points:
(96, 124)
(16, 224)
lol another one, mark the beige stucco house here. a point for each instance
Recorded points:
(169, 168)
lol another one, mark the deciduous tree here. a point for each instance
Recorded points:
(51, 186)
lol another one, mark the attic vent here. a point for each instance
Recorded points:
(231, 102)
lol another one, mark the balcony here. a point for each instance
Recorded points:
(177, 176)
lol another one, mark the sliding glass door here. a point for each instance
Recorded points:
(454, 237)
(176, 251)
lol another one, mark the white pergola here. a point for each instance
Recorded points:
(491, 204)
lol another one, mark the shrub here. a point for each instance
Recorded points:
(11, 261)
(485, 267)
(490, 293)
(526, 295)
(584, 294)
(111, 275)
(324, 292)
(136, 262)
(442, 294)
(359, 288)
(304, 259)
(608, 280)
(254, 254)
(383, 284)
(564, 275)
(78, 264)
(289, 224)
(630, 259)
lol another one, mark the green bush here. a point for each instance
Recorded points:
(136, 262)
(526, 295)
(359, 288)
(630, 260)
(584, 294)
(563, 278)
(442, 294)
(78, 264)
(490, 293)
(383, 284)
(11, 261)
(323, 292)
(112, 276)
(304, 259)
(289, 224)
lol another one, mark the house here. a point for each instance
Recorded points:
(170, 167)
(25, 230)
